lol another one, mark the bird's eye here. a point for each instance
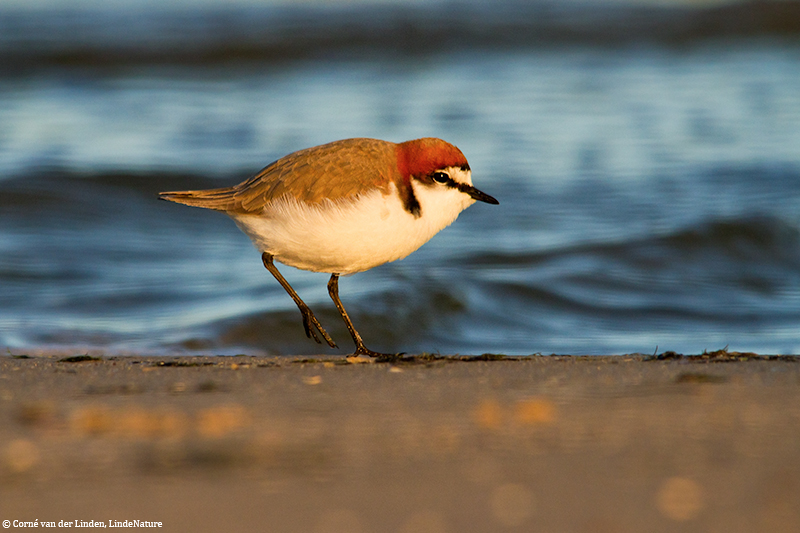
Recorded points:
(440, 177)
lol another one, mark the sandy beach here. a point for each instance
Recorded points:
(425, 444)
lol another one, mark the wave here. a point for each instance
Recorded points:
(224, 34)
(732, 275)
(96, 260)
(719, 270)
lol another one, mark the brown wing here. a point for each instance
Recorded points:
(340, 169)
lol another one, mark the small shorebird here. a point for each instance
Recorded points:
(345, 207)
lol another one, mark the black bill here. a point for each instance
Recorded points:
(478, 195)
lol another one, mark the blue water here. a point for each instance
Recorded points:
(649, 191)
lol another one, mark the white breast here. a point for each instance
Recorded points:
(350, 236)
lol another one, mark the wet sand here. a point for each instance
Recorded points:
(552, 444)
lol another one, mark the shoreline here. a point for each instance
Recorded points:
(706, 442)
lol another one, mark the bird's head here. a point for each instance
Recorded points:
(437, 164)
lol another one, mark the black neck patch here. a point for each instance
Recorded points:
(410, 202)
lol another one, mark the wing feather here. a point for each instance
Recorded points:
(341, 169)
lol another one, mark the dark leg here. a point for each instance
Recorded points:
(333, 290)
(309, 319)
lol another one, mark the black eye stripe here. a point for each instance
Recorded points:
(441, 177)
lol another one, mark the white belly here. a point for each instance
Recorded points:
(350, 236)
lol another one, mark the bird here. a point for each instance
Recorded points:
(343, 208)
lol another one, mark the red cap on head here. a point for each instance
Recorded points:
(420, 157)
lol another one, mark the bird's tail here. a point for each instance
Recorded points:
(217, 199)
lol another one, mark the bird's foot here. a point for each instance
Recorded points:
(310, 323)
(363, 350)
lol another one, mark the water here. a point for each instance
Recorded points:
(649, 191)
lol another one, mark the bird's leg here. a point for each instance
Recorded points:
(309, 319)
(333, 290)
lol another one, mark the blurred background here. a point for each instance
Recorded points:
(646, 155)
